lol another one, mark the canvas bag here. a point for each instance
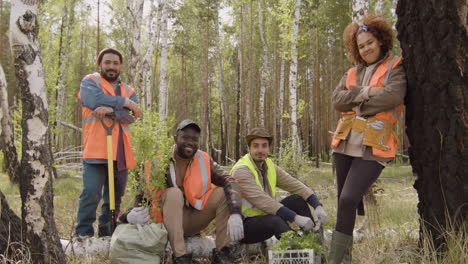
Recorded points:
(138, 244)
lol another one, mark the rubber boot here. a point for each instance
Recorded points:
(340, 245)
(184, 259)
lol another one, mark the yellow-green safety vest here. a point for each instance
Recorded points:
(248, 209)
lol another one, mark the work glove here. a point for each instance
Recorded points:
(377, 125)
(124, 117)
(321, 215)
(303, 222)
(235, 227)
(138, 215)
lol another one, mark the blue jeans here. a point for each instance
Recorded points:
(95, 186)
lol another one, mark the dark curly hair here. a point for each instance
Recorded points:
(377, 25)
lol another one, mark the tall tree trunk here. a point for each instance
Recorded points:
(317, 100)
(293, 79)
(163, 65)
(264, 78)
(10, 230)
(205, 102)
(434, 40)
(7, 137)
(63, 72)
(147, 64)
(360, 7)
(136, 11)
(239, 105)
(36, 163)
(222, 99)
(281, 103)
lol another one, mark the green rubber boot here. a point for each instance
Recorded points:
(341, 244)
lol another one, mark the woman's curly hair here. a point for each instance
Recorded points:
(377, 25)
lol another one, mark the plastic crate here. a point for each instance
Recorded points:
(303, 256)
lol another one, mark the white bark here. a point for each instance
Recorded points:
(264, 76)
(379, 5)
(7, 137)
(136, 11)
(360, 7)
(147, 66)
(293, 78)
(281, 102)
(36, 163)
(163, 61)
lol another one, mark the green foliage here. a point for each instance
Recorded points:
(287, 159)
(151, 140)
(291, 240)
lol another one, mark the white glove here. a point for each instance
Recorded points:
(321, 215)
(377, 125)
(235, 227)
(138, 215)
(303, 222)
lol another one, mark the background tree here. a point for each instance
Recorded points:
(35, 170)
(434, 41)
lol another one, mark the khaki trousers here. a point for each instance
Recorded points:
(182, 221)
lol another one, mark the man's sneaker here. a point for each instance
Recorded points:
(221, 256)
(184, 259)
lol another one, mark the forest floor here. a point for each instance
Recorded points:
(390, 234)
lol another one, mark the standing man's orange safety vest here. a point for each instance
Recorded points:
(94, 134)
(197, 183)
(383, 142)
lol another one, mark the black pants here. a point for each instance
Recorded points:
(260, 228)
(353, 176)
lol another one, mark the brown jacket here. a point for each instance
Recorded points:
(355, 99)
(261, 198)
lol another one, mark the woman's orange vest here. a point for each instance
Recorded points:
(383, 142)
(94, 134)
(197, 184)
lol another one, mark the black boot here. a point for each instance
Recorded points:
(221, 256)
(184, 259)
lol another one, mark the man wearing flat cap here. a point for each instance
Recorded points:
(104, 98)
(190, 201)
(258, 179)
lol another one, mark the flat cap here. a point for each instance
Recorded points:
(187, 122)
(258, 132)
(108, 50)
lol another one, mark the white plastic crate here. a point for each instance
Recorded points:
(303, 256)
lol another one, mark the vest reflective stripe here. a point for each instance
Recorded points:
(95, 145)
(248, 209)
(197, 181)
(204, 172)
(381, 149)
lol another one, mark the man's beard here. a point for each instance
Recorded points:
(105, 75)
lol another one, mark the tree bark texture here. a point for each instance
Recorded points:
(222, 98)
(163, 61)
(136, 12)
(265, 65)
(10, 229)
(433, 37)
(293, 79)
(36, 163)
(7, 137)
(147, 65)
(360, 7)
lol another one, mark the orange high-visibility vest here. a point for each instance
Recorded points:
(383, 142)
(94, 134)
(197, 184)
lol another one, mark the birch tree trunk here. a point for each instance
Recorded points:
(293, 79)
(360, 7)
(281, 103)
(36, 163)
(136, 12)
(163, 61)
(10, 230)
(264, 78)
(435, 52)
(7, 137)
(147, 64)
(222, 100)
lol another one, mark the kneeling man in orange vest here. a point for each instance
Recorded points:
(190, 202)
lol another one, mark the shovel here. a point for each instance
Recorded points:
(110, 167)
